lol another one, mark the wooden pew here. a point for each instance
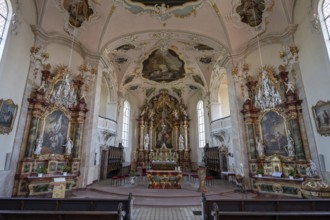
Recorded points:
(252, 209)
(80, 209)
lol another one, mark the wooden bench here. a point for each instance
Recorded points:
(266, 209)
(82, 209)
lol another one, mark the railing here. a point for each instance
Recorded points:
(107, 124)
(220, 124)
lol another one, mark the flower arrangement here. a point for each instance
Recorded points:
(132, 173)
(292, 172)
(42, 170)
(66, 168)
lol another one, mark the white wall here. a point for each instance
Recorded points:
(14, 70)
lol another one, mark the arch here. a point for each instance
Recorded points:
(324, 17)
(5, 17)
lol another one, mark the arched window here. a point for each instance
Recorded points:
(201, 124)
(4, 23)
(324, 16)
(126, 114)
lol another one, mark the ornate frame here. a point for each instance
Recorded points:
(8, 110)
(321, 113)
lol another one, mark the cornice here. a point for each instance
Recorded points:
(47, 38)
(271, 38)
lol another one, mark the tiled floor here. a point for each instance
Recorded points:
(187, 213)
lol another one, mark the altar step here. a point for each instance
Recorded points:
(144, 197)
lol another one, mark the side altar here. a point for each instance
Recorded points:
(53, 135)
(278, 152)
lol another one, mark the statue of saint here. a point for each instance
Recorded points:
(260, 148)
(68, 147)
(38, 146)
(290, 147)
(146, 141)
(181, 142)
(311, 171)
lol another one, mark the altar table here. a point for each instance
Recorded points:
(164, 179)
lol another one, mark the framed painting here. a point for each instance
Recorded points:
(55, 132)
(274, 133)
(60, 165)
(7, 115)
(321, 113)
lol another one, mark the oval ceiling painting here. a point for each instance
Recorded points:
(163, 66)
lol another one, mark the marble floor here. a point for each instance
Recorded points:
(164, 204)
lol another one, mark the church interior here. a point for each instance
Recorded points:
(96, 90)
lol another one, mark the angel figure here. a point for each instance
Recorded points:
(289, 87)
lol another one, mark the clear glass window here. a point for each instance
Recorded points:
(201, 124)
(125, 133)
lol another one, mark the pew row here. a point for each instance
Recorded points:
(251, 209)
(82, 209)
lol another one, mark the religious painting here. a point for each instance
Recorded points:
(79, 11)
(321, 112)
(59, 167)
(55, 133)
(251, 12)
(7, 115)
(163, 66)
(164, 136)
(51, 166)
(274, 133)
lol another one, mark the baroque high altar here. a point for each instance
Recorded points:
(163, 132)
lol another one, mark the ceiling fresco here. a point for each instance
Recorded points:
(169, 3)
(197, 35)
(163, 66)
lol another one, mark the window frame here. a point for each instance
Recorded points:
(201, 124)
(126, 124)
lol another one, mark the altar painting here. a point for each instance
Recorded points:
(55, 133)
(274, 133)
(164, 136)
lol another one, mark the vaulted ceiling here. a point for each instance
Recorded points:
(200, 33)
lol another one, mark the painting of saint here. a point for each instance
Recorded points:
(321, 112)
(79, 11)
(274, 133)
(7, 115)
(164, 136)
(163, 66)
(55, 133)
